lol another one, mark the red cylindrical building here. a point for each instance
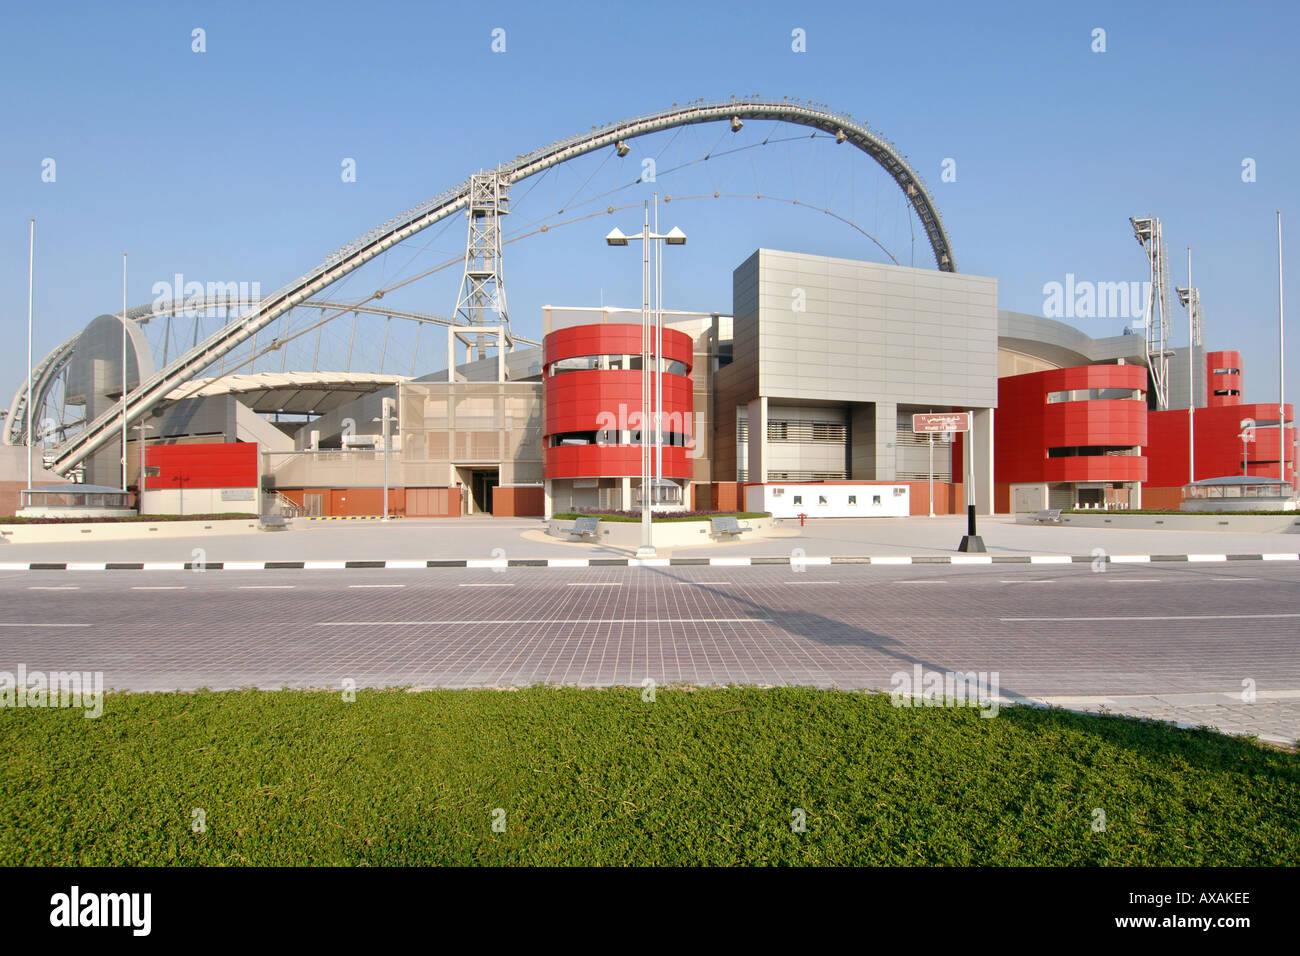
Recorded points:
(1223, 378)
(592, 386)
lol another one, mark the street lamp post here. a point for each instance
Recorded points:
(674, 237)
(385, 416)
(142, 456)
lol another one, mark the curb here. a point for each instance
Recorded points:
(347, 517)
(408, 564)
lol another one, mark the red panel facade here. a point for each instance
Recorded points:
(1027, 426)
(1218, 445)
(228, 465)
(1223, 378)
(594, 400)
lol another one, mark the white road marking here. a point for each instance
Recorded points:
(324, 565)
(694, 583)
(244, 565)
(1207, 557)
(57, 587)
(486, 584)
(812, 582)
(1028, 581)
(728, 562)
(891, 560)
(1130, 559)
(972, 559)
(543, 620)
(406, 564)
(158, 587)
(922, 581)
(568, 562)
(1050, 559)
(267, 587)
(43, 625)
(164, 566)
(595, 584)
(1166, 617)
(1136, 580)
(1280, 557)
(376, 585)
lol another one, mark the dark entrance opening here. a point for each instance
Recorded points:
(483, 483)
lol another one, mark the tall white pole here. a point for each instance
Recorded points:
(124, 371)
(384, 409)
(31, 262)
(1281, 361)
(931, 474)
(659, 351)
(1191, 372)
(647, 534)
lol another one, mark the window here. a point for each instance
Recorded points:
(875, 499)
(821, 500)
(778, 492)
(798, 499)
(853, 499)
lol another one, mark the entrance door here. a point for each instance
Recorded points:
(312, 504)
(482, 485)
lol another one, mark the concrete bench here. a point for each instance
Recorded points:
(1051, 516)
(727, 527)
(273, 523)
(586, 528)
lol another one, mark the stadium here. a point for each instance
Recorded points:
(797, 396)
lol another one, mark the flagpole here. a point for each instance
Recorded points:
(1281, 362)
(31, 262)
(1192, 303)
(124, 372)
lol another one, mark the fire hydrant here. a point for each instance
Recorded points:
(801, 519)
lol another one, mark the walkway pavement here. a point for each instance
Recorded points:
(524, 538)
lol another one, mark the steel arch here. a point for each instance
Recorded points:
(382, 238)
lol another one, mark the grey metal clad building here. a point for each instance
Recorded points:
(829, 355)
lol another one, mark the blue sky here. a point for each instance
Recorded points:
(225, 165)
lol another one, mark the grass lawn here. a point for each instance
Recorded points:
(603, 777)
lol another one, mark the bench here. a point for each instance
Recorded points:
(586, 528)
(1051, 516)
(273, 523)
(727, 527)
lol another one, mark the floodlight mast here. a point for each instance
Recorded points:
(1150, 235)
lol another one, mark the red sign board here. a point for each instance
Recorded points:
(941, 422)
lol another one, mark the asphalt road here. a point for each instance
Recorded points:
(1164, 640)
